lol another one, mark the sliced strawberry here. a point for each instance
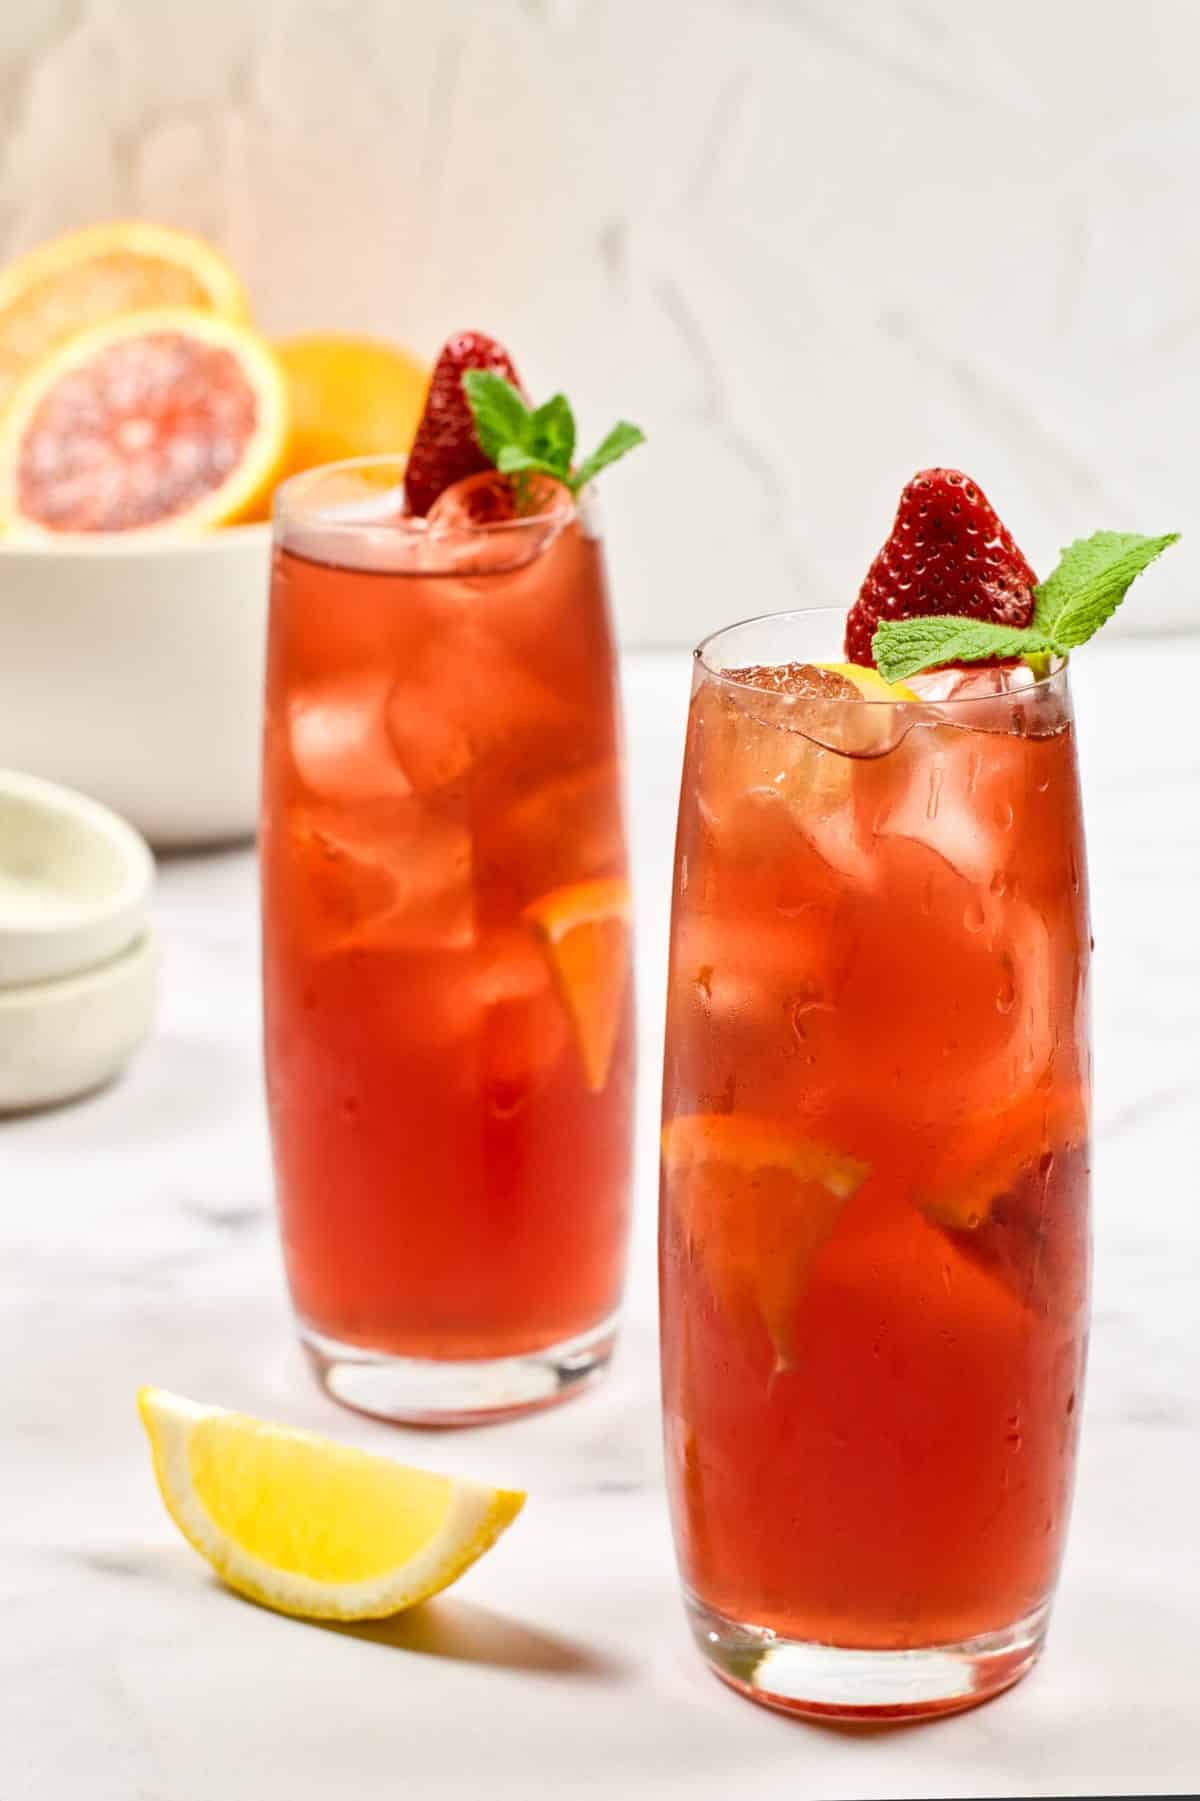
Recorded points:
(947, 553)
(445, 448)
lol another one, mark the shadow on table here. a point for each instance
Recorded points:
(464, 1632)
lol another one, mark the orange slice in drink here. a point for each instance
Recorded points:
(86, 277)
(986, 1153)
(756, 1202)
(1010, 1193)
(584, 928)
(174, 420)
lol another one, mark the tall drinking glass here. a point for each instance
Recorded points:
(449, 1018)
(874, 1237)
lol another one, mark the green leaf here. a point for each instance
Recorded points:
(500, 414)
(621, 439)
(513, 461)
(903, 647)
(1092, 578)
(516, 438)
(552, 434)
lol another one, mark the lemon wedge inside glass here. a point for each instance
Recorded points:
(870, 683)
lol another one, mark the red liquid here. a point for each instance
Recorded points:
(874, 1229)
(450, 1087)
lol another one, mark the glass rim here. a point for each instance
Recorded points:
(701, 655)
(286, 508)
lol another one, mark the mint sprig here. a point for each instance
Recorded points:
(517, 437)
(1092, 579)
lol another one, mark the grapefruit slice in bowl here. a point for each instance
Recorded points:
(85, 277)
(172, 420)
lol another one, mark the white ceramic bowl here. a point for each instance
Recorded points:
(74, 881)
(63, 1038)
(134, 670)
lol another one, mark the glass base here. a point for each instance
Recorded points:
(845, 1683)
(422, 1391)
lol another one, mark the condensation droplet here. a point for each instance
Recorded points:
(1003, 815)
(974, 766)
(999, 882)
(936, 778)
(974, 917)
(1006, 994)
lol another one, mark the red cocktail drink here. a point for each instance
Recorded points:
(449, 1020)
(875, 1171)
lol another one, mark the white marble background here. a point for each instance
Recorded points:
(808, 244)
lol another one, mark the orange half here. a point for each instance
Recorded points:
(85, 277)
(166, 421)
(756, 1202)
(584, 928)
(350, 397)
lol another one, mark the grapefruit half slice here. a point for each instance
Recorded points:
(167, 421)
(88, 276)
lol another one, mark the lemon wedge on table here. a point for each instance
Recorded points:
(310, 1527)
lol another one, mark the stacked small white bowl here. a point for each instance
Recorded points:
(78, 959)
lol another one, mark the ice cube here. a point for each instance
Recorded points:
(490, 523)
(565, 829)
(1005, 699)
(432, 746)
(340, 742)
(763, 783)
(972, 682)
(496, 1002)
(465, 699)
(931, 796)
(389, 876)
(795, 681)
(825, 705)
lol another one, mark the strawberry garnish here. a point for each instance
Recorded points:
(446, 447)
(948, 553)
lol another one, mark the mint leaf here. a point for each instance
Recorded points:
(500, 414)
(515, 461)
(1091, 580)
(552, 434)
(516, 438)
(903, 647)
(620, 441)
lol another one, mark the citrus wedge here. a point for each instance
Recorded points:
(869, 682)
(986, 1153)
(1010, 1194)
(756, 1202)
(167, 421)
(310, 1527)
(584, 928)
(86, 277)
(350, 397)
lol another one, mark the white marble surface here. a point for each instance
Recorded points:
(809, 245)
(138, 1245)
